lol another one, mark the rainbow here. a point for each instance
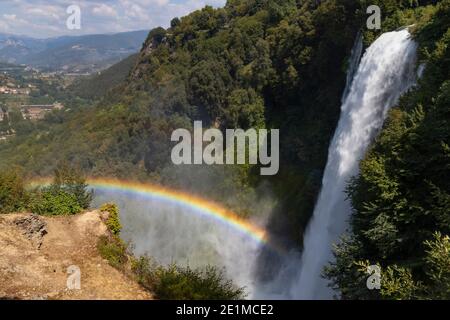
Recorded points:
(200, 206)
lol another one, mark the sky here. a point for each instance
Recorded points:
(43, 19)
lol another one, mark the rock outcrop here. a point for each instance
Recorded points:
(33, 227)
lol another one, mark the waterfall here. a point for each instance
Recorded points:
(355, 57)
(386, 71)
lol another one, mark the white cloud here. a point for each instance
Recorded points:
(49, 12)
(135, 11)
(4, 26)
(9, 17)
(150, 3)
(104, 10)
(44, 18)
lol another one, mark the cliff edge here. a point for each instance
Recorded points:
(43, 258)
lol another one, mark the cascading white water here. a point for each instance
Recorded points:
(355, 57)
(386, 71)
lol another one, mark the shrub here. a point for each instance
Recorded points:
(113, 222)
(72, 181)
(143, 269)
(114, 250)
(54, 201)
(177, 282)
(13, 196)
(183, 283)
(68, 194)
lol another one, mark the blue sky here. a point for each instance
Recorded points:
(42, 19)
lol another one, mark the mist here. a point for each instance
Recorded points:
(171, 232)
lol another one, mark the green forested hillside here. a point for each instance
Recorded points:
(401, 199)
(96, 86)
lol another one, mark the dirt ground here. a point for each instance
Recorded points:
(35, 258)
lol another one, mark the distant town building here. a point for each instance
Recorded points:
(9, 90)
(38, 111)
(25, 91)
(5, 136)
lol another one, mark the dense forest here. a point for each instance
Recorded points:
(97, 85)
(279, 64)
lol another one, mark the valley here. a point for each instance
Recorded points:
(74, 55)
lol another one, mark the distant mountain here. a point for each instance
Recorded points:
(14, 48)
(78, 54)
